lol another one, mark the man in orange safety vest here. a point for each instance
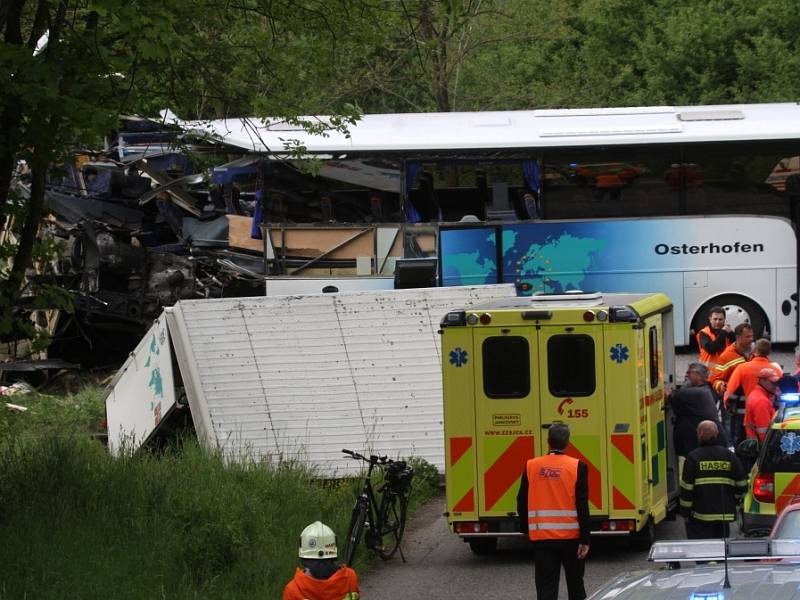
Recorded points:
(553, 509)
(714, 337)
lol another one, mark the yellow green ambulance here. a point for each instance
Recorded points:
(598, 362)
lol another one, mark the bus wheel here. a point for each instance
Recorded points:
(738, 309)
(483, 545)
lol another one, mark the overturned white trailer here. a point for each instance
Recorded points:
(301, 377)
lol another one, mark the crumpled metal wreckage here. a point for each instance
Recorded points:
(143, 225)
(139, 230)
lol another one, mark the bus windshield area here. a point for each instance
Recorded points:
(559, 183)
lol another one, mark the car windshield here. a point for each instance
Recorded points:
(781, 452)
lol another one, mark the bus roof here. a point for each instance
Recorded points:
(476, 132)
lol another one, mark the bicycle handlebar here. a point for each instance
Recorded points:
(378, 460)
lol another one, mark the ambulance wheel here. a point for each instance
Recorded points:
(483, 545)
(738, 309)
(642, 540)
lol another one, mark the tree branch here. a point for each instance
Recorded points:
(39, 24)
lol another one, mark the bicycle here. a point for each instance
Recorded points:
(383, 516)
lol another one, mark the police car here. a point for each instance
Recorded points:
(775, 477)
(735, 568)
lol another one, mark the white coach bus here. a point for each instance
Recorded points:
(699, 202)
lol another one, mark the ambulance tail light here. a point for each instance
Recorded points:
(467, 527)
(588, 316)
(764, 487)
(618, 525)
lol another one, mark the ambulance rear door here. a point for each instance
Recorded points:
(572, 387)
(506, 414)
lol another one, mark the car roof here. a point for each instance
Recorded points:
(748, 580)
(788, 523)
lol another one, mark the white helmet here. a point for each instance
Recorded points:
(318, 541)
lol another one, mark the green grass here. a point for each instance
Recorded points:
(77, 523)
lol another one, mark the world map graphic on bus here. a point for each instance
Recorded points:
(471, 256)
(555, 261)
(557, 264)
(612, 255)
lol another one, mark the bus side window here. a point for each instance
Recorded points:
(653, 335)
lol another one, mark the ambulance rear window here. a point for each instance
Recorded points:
(570, 365)
(506, 367)
(782, 452)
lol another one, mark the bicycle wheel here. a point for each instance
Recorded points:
(354, 532)
(392, 519)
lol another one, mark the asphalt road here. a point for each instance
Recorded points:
(440, 565)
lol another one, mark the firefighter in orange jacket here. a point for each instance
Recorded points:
(714, 337)
(721, 372)
(321, 578)
(734, 355)
(553, 508)
(745, 377)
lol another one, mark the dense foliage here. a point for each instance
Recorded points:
(181, 523)
(285, 58)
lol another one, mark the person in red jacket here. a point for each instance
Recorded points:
(321, 578)
(760, 405)
(553, 509)
(714, 337)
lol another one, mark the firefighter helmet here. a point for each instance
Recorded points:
(318, 541)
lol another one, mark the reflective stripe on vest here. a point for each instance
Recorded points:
(715, 480)
(721, 368)
(728, 360)
(713, 516)
(533, 526)
(756, 429)
(552, 513)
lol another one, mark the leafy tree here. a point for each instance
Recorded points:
(717, 52)
(409, 55)
(631, 53)
(287, 58)
(106, 58)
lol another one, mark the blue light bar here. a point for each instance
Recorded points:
(790, 398)
(707, 596)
